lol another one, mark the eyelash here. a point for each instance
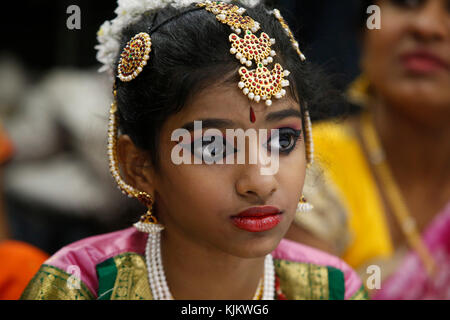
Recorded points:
(210, 142)
(294, 135)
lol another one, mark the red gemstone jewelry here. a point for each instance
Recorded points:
(134, 57)
(279, 293)
(261, 83)
(252, 115)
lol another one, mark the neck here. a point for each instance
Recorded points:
(415, 150)
(200, 272)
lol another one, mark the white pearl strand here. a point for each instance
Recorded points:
(158, 283)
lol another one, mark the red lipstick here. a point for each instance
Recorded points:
(257, 219)
(423, 61)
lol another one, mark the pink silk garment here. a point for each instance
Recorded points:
(89, 252)
(410, 281)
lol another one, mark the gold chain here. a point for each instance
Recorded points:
(393, 193)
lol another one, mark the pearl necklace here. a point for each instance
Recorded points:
(158, 283)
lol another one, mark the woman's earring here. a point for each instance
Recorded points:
(304, 205)
(148, 222)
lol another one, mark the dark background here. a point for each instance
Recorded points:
(35, 31)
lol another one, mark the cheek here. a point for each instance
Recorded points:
(291, 175)
(380, 47)
(194, 195)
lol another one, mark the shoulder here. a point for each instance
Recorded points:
(309, 273)
(98, 248)
(82, 258)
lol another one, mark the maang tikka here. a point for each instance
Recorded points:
(259, 84)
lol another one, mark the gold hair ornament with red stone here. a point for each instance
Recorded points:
(262, 83)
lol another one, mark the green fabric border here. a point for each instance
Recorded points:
(336, 284)
(361, 294)
(107, 274)
(33, 291)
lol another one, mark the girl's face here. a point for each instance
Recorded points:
(199, 202)
(408, 59)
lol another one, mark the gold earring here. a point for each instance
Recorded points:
(304, 205)
(148, 222)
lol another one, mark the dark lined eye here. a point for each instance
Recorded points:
(285, 141)
(212, 148)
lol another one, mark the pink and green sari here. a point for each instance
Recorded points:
(112, 267)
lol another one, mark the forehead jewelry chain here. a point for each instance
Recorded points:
(262, 83)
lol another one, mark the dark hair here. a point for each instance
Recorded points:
(188, 54)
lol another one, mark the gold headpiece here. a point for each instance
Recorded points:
(260, 83)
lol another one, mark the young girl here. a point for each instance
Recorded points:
(189, 75)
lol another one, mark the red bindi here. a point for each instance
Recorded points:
(252, 115)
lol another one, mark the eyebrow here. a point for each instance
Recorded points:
(283, 114)
(210, 123)
(225, 123)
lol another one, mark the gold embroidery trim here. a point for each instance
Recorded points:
(132, 278)
(298, 281)
(361, 294)
(51, 283)
(302, 281)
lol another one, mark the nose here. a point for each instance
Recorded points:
(255, 186)
(432, 22)
(251, 183)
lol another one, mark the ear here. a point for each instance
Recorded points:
(135, 165)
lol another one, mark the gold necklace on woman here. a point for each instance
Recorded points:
(393, 194)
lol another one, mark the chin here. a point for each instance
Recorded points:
(258, 246)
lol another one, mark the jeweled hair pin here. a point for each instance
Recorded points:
(134, 56)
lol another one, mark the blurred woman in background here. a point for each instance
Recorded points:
(385, 196)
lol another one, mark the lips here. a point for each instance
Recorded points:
(422, 61)
(258, 219)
